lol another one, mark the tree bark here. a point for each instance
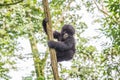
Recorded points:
(50, 37)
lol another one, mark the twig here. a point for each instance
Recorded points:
(12, 3)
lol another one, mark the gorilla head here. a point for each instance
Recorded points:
(68, 29)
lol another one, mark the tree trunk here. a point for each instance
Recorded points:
(50, 37)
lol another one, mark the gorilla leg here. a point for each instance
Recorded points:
(65, 56)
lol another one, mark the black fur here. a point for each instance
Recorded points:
(64, 47)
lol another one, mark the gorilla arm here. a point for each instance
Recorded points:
(44, 24)
(56, 35)
(61, 46)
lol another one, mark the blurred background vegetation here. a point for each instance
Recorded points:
(97, 25)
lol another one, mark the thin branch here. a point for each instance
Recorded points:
(12, 3)
(106, 13)
(101, 9)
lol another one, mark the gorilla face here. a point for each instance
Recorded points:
(65, 36)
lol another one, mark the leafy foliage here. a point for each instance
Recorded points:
(112, 23)
(24, 19)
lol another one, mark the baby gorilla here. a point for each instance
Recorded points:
(65, 46)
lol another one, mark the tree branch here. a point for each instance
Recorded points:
(101, 9)
(12, 3)
(50, 37)
(104, 12)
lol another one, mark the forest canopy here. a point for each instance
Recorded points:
(23, 44)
